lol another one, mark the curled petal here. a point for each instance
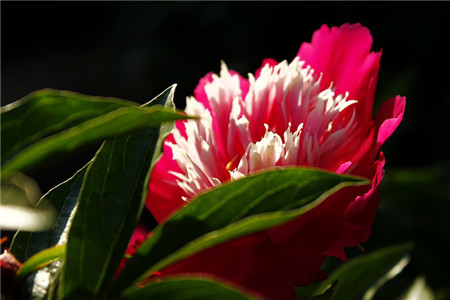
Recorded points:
(389, 117)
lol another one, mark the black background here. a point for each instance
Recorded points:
(134, 50)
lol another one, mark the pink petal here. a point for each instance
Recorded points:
(220, 111)
(199, 92)
(243, 83)
(360, 213)
(267, 61)
(164, 196)
(344, 167)
(389, 117)
(343, 56)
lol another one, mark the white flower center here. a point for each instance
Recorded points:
(284, 120)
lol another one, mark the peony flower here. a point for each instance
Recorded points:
(313, 111)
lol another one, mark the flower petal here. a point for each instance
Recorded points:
(389, 117)
(165, 195)
(343, 56)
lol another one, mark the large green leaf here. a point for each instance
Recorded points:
(48, 122)
(230, 211)
(110, 203)
(361, 273)
(188, 288)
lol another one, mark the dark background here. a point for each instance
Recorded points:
(134, 50)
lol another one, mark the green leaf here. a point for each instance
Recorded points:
(63, 198)
(188, 288)
(327, 295)
(418, 290)
(110, 204)
(49, 122)
(230, 211)
(40, 260)
(361, 273)
(45, 112)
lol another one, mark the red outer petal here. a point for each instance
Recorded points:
(386, 121)
(343, 56)
(139, 235)
(164, 195)
(389, 117)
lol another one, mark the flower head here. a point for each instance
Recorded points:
(313, 111)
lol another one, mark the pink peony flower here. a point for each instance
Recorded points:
(314, 111)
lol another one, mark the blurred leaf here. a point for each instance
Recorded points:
(419, 290)
(40, 259)
(232, 210)
(19, 195)
(187, 288)
(63, 198)
(14, 217)
(110, 204)
(47, 122)
(361, 273)
(26, 186)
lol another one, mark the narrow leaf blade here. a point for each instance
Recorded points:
(110, 204)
